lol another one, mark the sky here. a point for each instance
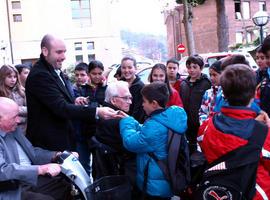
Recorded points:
(140, 16)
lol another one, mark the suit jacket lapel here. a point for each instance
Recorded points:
(12, 148)
(57, 79)
(21, 140)
(61, 86)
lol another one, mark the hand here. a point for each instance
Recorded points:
(89, 81)
(51, 169)
(81, 101)
(263, 117)
(75, 154)
(104, 81)
(122, 114)
(106, 113)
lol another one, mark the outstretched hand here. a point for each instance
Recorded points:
(106, 113)
(121, 114)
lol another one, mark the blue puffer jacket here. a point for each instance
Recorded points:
(152, 137)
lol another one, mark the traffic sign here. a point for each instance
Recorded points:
(181, 48)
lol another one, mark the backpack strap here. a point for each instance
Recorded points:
(145, 178)
(253, 148)
(163, 165)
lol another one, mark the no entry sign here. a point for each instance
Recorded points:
(181, 48)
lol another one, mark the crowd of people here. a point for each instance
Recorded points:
(113, 128)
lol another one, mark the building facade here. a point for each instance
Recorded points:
(87, 28)
(204, 23)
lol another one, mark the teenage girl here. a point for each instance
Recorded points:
(158, 73)
(10, 86)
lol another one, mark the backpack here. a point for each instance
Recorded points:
(176, 167)
(233, 175)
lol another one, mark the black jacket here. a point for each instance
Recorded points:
(51, 109)
(108, 132)
(260, 75)
(96, 98)
(136, 109)
(191, 94)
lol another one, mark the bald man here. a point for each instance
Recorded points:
(22, 165)
(50, 103)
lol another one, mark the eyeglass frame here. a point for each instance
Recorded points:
(126, 98)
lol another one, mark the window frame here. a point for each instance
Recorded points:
(14, 5)
(90, 44)
(17, 17)
(78, 46)
(81, 9)
(245, 14)
(262, 6)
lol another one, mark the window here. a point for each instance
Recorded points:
(91, 57)
(80, 9)
(237, 9)
(17, 18)
(90, 46)
(238, 38)
(16, 4)
(79, 58)
(29, 61)
(262, 6)
(246, 10)
(78, 46)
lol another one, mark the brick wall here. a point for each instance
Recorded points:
(205, 26)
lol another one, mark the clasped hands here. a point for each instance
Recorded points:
(52, 169)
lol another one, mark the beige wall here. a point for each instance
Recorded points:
(5, 56)
(54, 16)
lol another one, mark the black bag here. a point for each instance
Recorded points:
(110, 188)
(176, 168)
(233, 176)
(9, 185)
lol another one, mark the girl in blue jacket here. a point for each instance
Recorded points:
(152, 137)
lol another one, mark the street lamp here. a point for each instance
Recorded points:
(260, 19)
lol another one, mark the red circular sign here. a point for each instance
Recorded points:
(181, 48)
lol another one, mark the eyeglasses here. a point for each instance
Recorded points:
(126, 98)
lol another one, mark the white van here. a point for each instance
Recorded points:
(210, 58)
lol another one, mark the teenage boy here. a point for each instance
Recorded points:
(23, 72)
(81, 78)
(152, 137)
(172, 66)
(220, 100)
(128, 72)
(191, 92)
(264, 88)
(209, 97)
(232, 127)
(261, 60)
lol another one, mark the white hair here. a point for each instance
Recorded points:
(114, 88)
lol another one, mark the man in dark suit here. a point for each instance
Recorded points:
(50, 104)
(23, 165)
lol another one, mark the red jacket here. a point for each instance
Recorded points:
(175, 99)
(176, 85)
(236, 124)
